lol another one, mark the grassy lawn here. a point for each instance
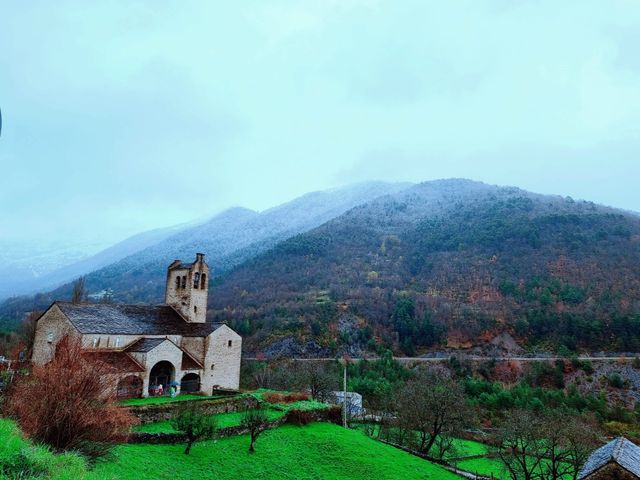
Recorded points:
(20, 459)
(462, 447)
(299, 405)
(224, 420)
(484, 466)
(134, 402)
(467, 448)
(317, 451)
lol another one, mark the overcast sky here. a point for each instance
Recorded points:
(123, 116)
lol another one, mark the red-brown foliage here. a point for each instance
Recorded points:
(507, 372)
(300, 417)
(69, 403)
(333, 414)
(285, 398)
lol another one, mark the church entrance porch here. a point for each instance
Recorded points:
(129, 387)
(190, 383)
(160, 378)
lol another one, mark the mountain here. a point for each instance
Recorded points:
(444, 264)
(227, 239)
(24, 263)
(69, 268)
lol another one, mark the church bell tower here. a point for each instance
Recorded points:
(187, 288)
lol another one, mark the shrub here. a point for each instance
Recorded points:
(333, 414)
(615, 380)
(299, 417)
(272, 397)
(69, 403)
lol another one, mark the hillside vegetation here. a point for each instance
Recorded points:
(20, 459)
(318, 450)
(449, 263)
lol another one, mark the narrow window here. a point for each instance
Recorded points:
(178, 281)
(117, 344)
(184, 281)
(229, 343)
(212, 365)
(203, 281)
(95, 342)
(50, 337)
(196, 280)
(195, 309)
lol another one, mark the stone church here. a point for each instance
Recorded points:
(152, 345)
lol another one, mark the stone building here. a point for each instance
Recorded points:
(617, 460)
(152, 345)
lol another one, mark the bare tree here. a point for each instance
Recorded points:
(432, 405)
(79, 293)
(569, 440)
(548, 446)
(317, 380)
(521, 444)
(256, 421)
(444, 446)
(262, 376)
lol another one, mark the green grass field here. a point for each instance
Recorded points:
(316, 451)
(484, 466)
(462, 447)
(467, 448)
(19, 459)
(224, 420)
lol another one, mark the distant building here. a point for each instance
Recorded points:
(152, 345)
(354, 402)
(617, 460)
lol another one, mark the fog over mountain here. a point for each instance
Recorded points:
(135, 269)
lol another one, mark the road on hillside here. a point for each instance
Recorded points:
(473, 358)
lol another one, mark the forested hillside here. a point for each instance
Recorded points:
(449, 263)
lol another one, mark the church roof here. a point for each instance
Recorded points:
(145, 345)
(620, 451)
(112, 319)
(118, 361)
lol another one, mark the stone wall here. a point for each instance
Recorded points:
(52, 326)
(173, 438)
(157, 413)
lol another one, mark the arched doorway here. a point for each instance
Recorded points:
(162, 373)
(129, 387)
(190, 383)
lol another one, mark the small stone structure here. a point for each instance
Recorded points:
(151, 345)
(617, 460)
(354, 402)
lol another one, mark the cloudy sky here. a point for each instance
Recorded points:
(122, 116)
